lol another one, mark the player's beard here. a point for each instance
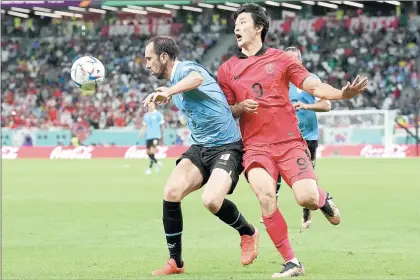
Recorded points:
(161, 73)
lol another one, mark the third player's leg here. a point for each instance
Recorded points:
(297, 171)
(307, 214)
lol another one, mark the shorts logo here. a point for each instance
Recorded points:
(155, 142)
(225, 157)
(269, 68)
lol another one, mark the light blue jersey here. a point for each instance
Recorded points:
(308, 123)
(153, 121)
(209, 117)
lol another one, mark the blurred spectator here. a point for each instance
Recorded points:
(27, 141)
(75, 141)
(36, 89)
(387, 58)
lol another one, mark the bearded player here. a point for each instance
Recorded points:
(214, 159)
(256, 83)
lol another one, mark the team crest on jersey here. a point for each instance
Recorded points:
(269, 68)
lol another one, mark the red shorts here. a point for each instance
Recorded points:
(290, 159)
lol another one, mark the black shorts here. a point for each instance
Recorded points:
(152, 143)
(227, 157)
(312, 146)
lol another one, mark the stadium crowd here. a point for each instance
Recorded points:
(37, 91)
(387, 57)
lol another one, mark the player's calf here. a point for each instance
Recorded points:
(229, 214)
(310, 196)
(185, 179)
(277, 194)
(213, 198)
(264, 188)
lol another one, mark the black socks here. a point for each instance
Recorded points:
(172, 223)
(229, 214)
(152, 160)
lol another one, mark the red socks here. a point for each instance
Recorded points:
(277, 230)
(322, 197)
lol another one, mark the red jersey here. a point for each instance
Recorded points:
(265, 78)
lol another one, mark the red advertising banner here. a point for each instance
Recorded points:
(367, 151)
(139, 152)
(361, 23)
(83, 152)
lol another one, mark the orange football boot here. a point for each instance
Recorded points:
(249, 247)
(169, 268)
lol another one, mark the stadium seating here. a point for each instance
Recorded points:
(40, 94)
(387, 57)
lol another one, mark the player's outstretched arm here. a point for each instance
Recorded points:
(325, 91)
(164, 94)
(322, 105)
(192, 81)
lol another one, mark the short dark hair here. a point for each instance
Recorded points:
(258, 14)
(165, 44)
(296, 50)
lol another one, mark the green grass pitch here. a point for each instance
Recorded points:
(101, 219)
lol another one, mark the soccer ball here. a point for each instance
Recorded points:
(87, 73)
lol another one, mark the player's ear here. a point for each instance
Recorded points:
(259, 28)
(164, 57)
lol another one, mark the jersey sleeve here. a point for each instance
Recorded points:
(225, 86)
(187, 69)
(296, 72)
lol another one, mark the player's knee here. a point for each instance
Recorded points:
(267, 199)
(211, 202)
(173, 193)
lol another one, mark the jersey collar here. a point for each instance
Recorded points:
(260, 52)
(174, 69)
